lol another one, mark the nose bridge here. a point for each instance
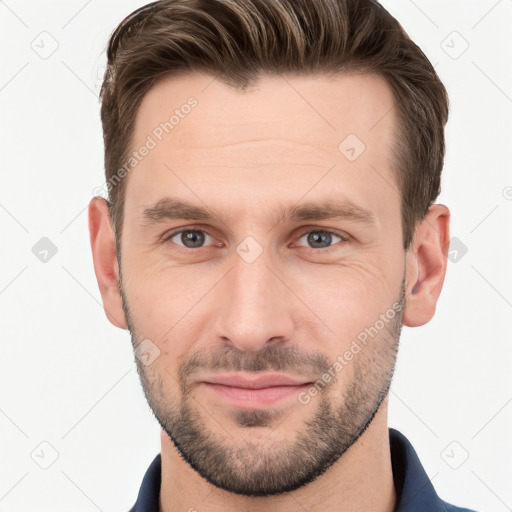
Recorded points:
(254, 306)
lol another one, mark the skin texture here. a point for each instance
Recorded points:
(293, 309)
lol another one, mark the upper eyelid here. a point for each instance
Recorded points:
(341, 234)
(173, 233)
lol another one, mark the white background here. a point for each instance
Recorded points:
(67, 376)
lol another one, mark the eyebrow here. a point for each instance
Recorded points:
(169, 208)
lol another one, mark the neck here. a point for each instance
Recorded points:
(362, 479)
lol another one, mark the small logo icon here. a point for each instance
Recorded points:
(249, 249)
(454, 45)
(45, 45)
(44, 250)
(455, 455)
(146, 352)
(100, 191)
(44, 455)
(457, 249)
(352, 147)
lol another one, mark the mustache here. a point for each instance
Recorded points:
(279, 358)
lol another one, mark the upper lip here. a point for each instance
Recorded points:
(259, 382)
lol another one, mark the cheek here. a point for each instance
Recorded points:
(165, 307)
(348, 298)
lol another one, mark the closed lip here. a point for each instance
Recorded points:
(259, 382)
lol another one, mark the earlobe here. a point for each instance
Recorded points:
(106, 265)
(426, 266)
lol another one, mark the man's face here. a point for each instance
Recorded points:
(257, 291)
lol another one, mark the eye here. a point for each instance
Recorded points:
(194, 238)
(189, 238)
(322, 239)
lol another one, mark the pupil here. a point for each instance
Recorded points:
(192, 238)
(314, 238)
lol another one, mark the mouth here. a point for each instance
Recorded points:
(259, 392)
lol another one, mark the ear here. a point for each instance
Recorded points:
(105, 261)
(426, 262)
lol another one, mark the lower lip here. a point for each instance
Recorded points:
(255, 397)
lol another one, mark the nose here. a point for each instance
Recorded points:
(255, 306)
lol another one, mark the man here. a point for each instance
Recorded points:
(272, 167)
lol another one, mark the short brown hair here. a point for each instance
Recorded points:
(236, 41)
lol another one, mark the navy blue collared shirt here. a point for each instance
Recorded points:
(414, 490)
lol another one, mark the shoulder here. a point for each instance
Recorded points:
(415, 492)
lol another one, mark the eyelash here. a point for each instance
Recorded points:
(343, 237)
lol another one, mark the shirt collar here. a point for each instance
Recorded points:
(414, 490)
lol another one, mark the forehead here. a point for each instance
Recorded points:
(328, 107)
(284, 134)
